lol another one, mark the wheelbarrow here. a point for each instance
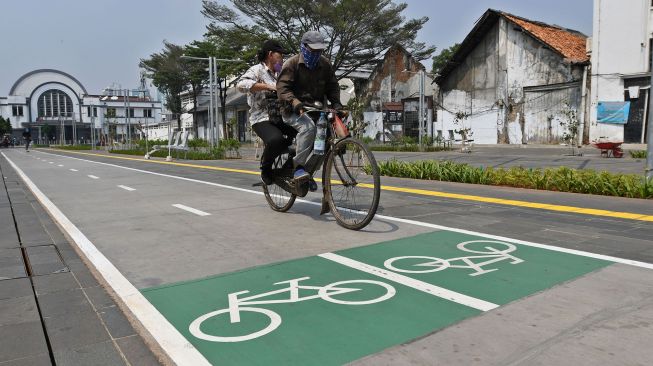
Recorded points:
(610, 149)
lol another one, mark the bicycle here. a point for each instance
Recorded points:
(433, 264)
(342, 163)
(236, 304)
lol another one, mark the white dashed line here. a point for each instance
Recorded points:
(60, 165)
(130, 189)
(192, 210)
(93, 177)
(73, 170)
(51, 162)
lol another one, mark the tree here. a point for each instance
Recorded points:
(48, 131)
(3, 126)
(170, 74)
(443, 58)
(358, 31)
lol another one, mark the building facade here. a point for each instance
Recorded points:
(621, 51)
(53, 98)
(513, 81)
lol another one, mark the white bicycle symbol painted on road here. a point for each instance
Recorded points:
(245, 304)
(490, 251)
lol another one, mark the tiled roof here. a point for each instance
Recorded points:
(572, 45)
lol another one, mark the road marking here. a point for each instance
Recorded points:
(60, 165)
(130, 189)
(73, 170)
(629, 262)
(51, 162)
(192, 210)
(93, 177)
(413, 283)
(173, 344)
(424, 192)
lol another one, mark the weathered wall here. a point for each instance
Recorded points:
(489, 87)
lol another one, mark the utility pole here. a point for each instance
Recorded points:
(649, 131)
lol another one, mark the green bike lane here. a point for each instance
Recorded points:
(438, 279)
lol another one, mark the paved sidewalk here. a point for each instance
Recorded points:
(52, 310)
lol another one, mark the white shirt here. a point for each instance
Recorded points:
(257, 105)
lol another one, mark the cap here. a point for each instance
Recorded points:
(314, 40)
(274, 46)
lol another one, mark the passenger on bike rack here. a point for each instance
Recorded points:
(306, 78)
(259, 82)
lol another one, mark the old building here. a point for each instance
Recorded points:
(392, 92)
(57, 99)
(622, 51)
(513, 81)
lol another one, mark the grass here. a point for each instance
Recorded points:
(561, 179)
(215, 154)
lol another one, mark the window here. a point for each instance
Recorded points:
(111, 113)
(147, 113)
(55, 103)
(88, 112)
(131, 112)
(17, 110)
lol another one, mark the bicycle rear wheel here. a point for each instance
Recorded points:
(278, 198)
(352, 183)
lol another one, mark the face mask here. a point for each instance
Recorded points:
(278, 66)
(311, 58)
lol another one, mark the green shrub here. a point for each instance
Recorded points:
(638, 154)
(561, 179)
(198, 143)
(72, 147)
(216, 153)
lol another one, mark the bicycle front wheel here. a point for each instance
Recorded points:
(352, 183)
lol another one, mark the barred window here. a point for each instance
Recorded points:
(55, 103)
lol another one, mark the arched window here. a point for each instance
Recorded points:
(55, 103)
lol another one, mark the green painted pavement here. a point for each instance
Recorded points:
(316, 331)
(538, 270)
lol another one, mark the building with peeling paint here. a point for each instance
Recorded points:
(622, 50)
(512, 81)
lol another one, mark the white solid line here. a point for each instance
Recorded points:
(130, 189)
(173, 343)
(192, 210)
(93, 177)
(434, 290)
(73, 170)
(396, 219)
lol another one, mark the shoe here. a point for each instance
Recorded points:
(312, 185)
(266, 177)
(300, 174)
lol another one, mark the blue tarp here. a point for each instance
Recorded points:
(613, 112)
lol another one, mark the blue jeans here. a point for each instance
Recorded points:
(305, 128)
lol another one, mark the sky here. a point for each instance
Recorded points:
(101, 42)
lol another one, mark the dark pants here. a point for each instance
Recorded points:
(27, 142)
(276, 138)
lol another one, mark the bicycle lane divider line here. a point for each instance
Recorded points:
(629, 262)
(167, 339)
(444, 293)
(423, 192)
(191, 210)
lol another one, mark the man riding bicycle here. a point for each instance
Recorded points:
(259, 82)
(306, 78)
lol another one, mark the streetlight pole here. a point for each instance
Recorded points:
(649, 132)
